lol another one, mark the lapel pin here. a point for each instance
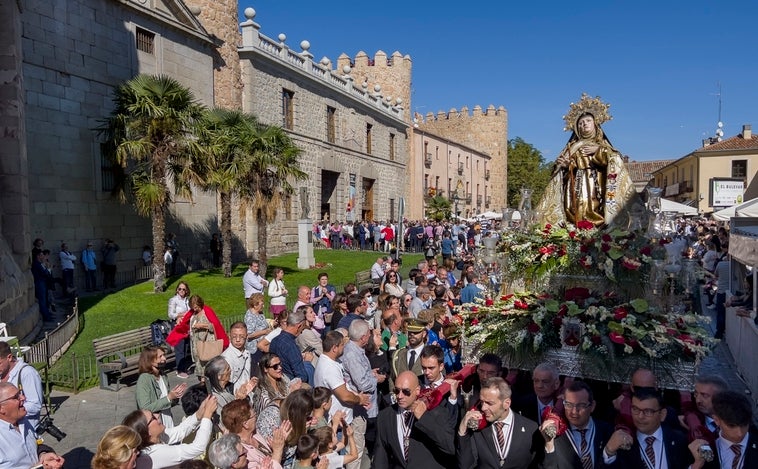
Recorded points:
(753, 445)
(523, 430)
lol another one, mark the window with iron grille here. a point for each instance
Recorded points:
(739, 168)
(368, 138)
(288, 109)
(145, 41)
(330, 124)
(107, 170)
(392, 147)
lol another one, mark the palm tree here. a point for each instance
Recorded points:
(228, 136)
(148, 135)
(438, 208)
(274, 167)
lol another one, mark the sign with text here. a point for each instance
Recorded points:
(725, 192)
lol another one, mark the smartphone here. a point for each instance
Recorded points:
(309, 349)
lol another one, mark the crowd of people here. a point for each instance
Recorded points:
(347, 379)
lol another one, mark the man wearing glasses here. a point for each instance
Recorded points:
(26, 378)
(18, 438)
(228, 453)
(581, 447)
(652, 445)
(410, 435)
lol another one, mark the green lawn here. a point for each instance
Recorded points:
(138, 306)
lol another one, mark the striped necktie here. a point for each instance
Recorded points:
(584, 453)
(737, 450)
(649, 450)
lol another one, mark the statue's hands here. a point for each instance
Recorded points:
(563, 160)
(588, 150)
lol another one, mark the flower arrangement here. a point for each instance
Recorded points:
(620, 256)
(599, 327)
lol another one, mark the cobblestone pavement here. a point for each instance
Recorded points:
(87, 415)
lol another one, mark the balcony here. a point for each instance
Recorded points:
(487, 174)
(478, 200)
(488, 201)
(685, 186)
(428, 160)
(460, 168)
(468, 197)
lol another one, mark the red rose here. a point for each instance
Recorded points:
(474, 309)
(585, 225)
(617, 338)
(585, 262)
(620, 313)
(646, 250)
(563, 310)
(562, 251)
(474, 322)
(533, 327)
(548, 226)
(605, 247)
(488, 302)
(572, 234)
(584, 248)
(521, 304)
(574, 294)
(607, 238)
(633, 343)
(506, 297)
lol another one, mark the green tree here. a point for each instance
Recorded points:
(149, 135)
(438, 208)
(229, 138)
(274, 167)
(526, 168)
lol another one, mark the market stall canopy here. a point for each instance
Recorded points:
(743, 240)
(671, 206)
(490, 216)
(745, 209)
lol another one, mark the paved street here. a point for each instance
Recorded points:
(87, 415)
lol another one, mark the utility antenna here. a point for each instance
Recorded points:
(720, 124)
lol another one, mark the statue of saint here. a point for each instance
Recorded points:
(590, 180)
(305, 208)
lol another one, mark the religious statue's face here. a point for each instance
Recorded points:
(586, 126)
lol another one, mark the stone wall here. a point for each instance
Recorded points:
(18, 308)
(75, 52)
(483, 130)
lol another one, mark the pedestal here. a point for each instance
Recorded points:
(305, 259)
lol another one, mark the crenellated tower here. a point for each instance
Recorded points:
(391, 73)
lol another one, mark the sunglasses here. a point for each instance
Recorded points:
(405, 391)
(276, 366)
(15, 397)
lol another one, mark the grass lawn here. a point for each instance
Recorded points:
(138, 306)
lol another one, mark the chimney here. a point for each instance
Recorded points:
(747, 132)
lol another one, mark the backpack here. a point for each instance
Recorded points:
(160, 329)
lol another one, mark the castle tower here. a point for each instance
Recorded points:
(482, 130)
(391, 73)
(220, 18)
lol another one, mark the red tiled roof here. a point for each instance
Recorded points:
(733, 143)
(641, 171)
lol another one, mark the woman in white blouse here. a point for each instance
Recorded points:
(277, 293)
(161, 447)
(177, 306)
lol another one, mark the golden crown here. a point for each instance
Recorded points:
(594, 106)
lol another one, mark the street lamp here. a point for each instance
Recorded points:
(456, 198)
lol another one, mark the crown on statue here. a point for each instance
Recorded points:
(594, 106)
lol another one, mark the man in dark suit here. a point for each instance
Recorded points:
(433, 367)
(737, 446)
(546, 381)
(409, 435)
(651, 444)
(489, 366)
(508, 441)
(409, 358)
(581, 447)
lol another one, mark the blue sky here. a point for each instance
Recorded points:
(659, 64)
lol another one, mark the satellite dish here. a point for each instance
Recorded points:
(720, 133)
(720, 124)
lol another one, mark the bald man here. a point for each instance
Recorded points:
(411, 435)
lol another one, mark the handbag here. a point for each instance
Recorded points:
(209, 349)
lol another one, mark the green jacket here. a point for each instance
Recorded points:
(148, 391)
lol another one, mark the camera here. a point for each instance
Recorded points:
(46, 425)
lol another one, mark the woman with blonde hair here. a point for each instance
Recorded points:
(118, 449)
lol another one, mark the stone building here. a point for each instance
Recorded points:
(61, 60)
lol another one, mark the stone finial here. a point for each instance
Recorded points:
(377, 88)
(282, 37)
(196, 10)
(249, 13)
(398, 101)
(305, 45)
(347, 69)
(477, 110)
(326, 62)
